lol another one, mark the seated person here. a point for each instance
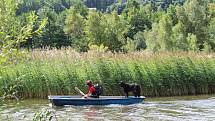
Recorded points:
(91, 90)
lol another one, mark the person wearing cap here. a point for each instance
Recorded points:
(91, 90)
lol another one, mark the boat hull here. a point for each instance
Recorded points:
(102, 100)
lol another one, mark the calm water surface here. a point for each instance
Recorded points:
(198, 108)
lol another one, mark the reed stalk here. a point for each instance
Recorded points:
(58, 72)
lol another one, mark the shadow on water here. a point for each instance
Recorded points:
(168, 108)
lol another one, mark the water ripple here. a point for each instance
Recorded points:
(175, 110)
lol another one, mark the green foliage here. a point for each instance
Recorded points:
(156, 26)
(139, 41)
(11, 91)
(137, 44)
(192, 41)
(108, 30)
(161, 74)
(196, 11)
(95, 28)
(44, 115)
(164, 35)
(182, 28)
(137, 21)
(179, 37)
(117, 6)
(55, 10)
(211, 29)
(71, 23)
(13, 31)
(115, 30)
(159, 38)
(81, 8)
(74, 27)
(53, 35)
(74, 24)
(152, 41)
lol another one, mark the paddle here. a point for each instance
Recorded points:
(78, 90)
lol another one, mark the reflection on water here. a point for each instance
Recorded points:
(173, 109)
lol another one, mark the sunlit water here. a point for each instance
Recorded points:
(189, 108)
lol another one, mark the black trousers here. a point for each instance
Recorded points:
(94, 96)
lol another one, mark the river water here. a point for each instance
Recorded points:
(196, 108)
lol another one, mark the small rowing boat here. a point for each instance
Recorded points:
(102, 100)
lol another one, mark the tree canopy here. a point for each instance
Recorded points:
(16, 29)
(118, 25)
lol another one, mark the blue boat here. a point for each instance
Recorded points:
(102, 100)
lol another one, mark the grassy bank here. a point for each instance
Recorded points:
(160, 74)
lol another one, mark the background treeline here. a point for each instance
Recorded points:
(124, 25)
(55, 72)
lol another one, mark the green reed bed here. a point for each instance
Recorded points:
(57, 72)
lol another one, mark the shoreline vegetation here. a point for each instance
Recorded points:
(57, 72)
(139, 42)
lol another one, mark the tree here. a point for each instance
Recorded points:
(118, 6)
(139, 41)
(108, 30)
(95, 28)
(26, 6)
(211, 30)
(192, 42)
(171, 11)
(179, 37)
(196, 11)
(137, 21)
(74, 27)
(80, 8)
(152, 41)
(53, 35)
(132, 4)
(13, 31)
(115, 31)
(164, 35)
(159, 38)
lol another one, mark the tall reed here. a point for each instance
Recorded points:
(57, 72)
